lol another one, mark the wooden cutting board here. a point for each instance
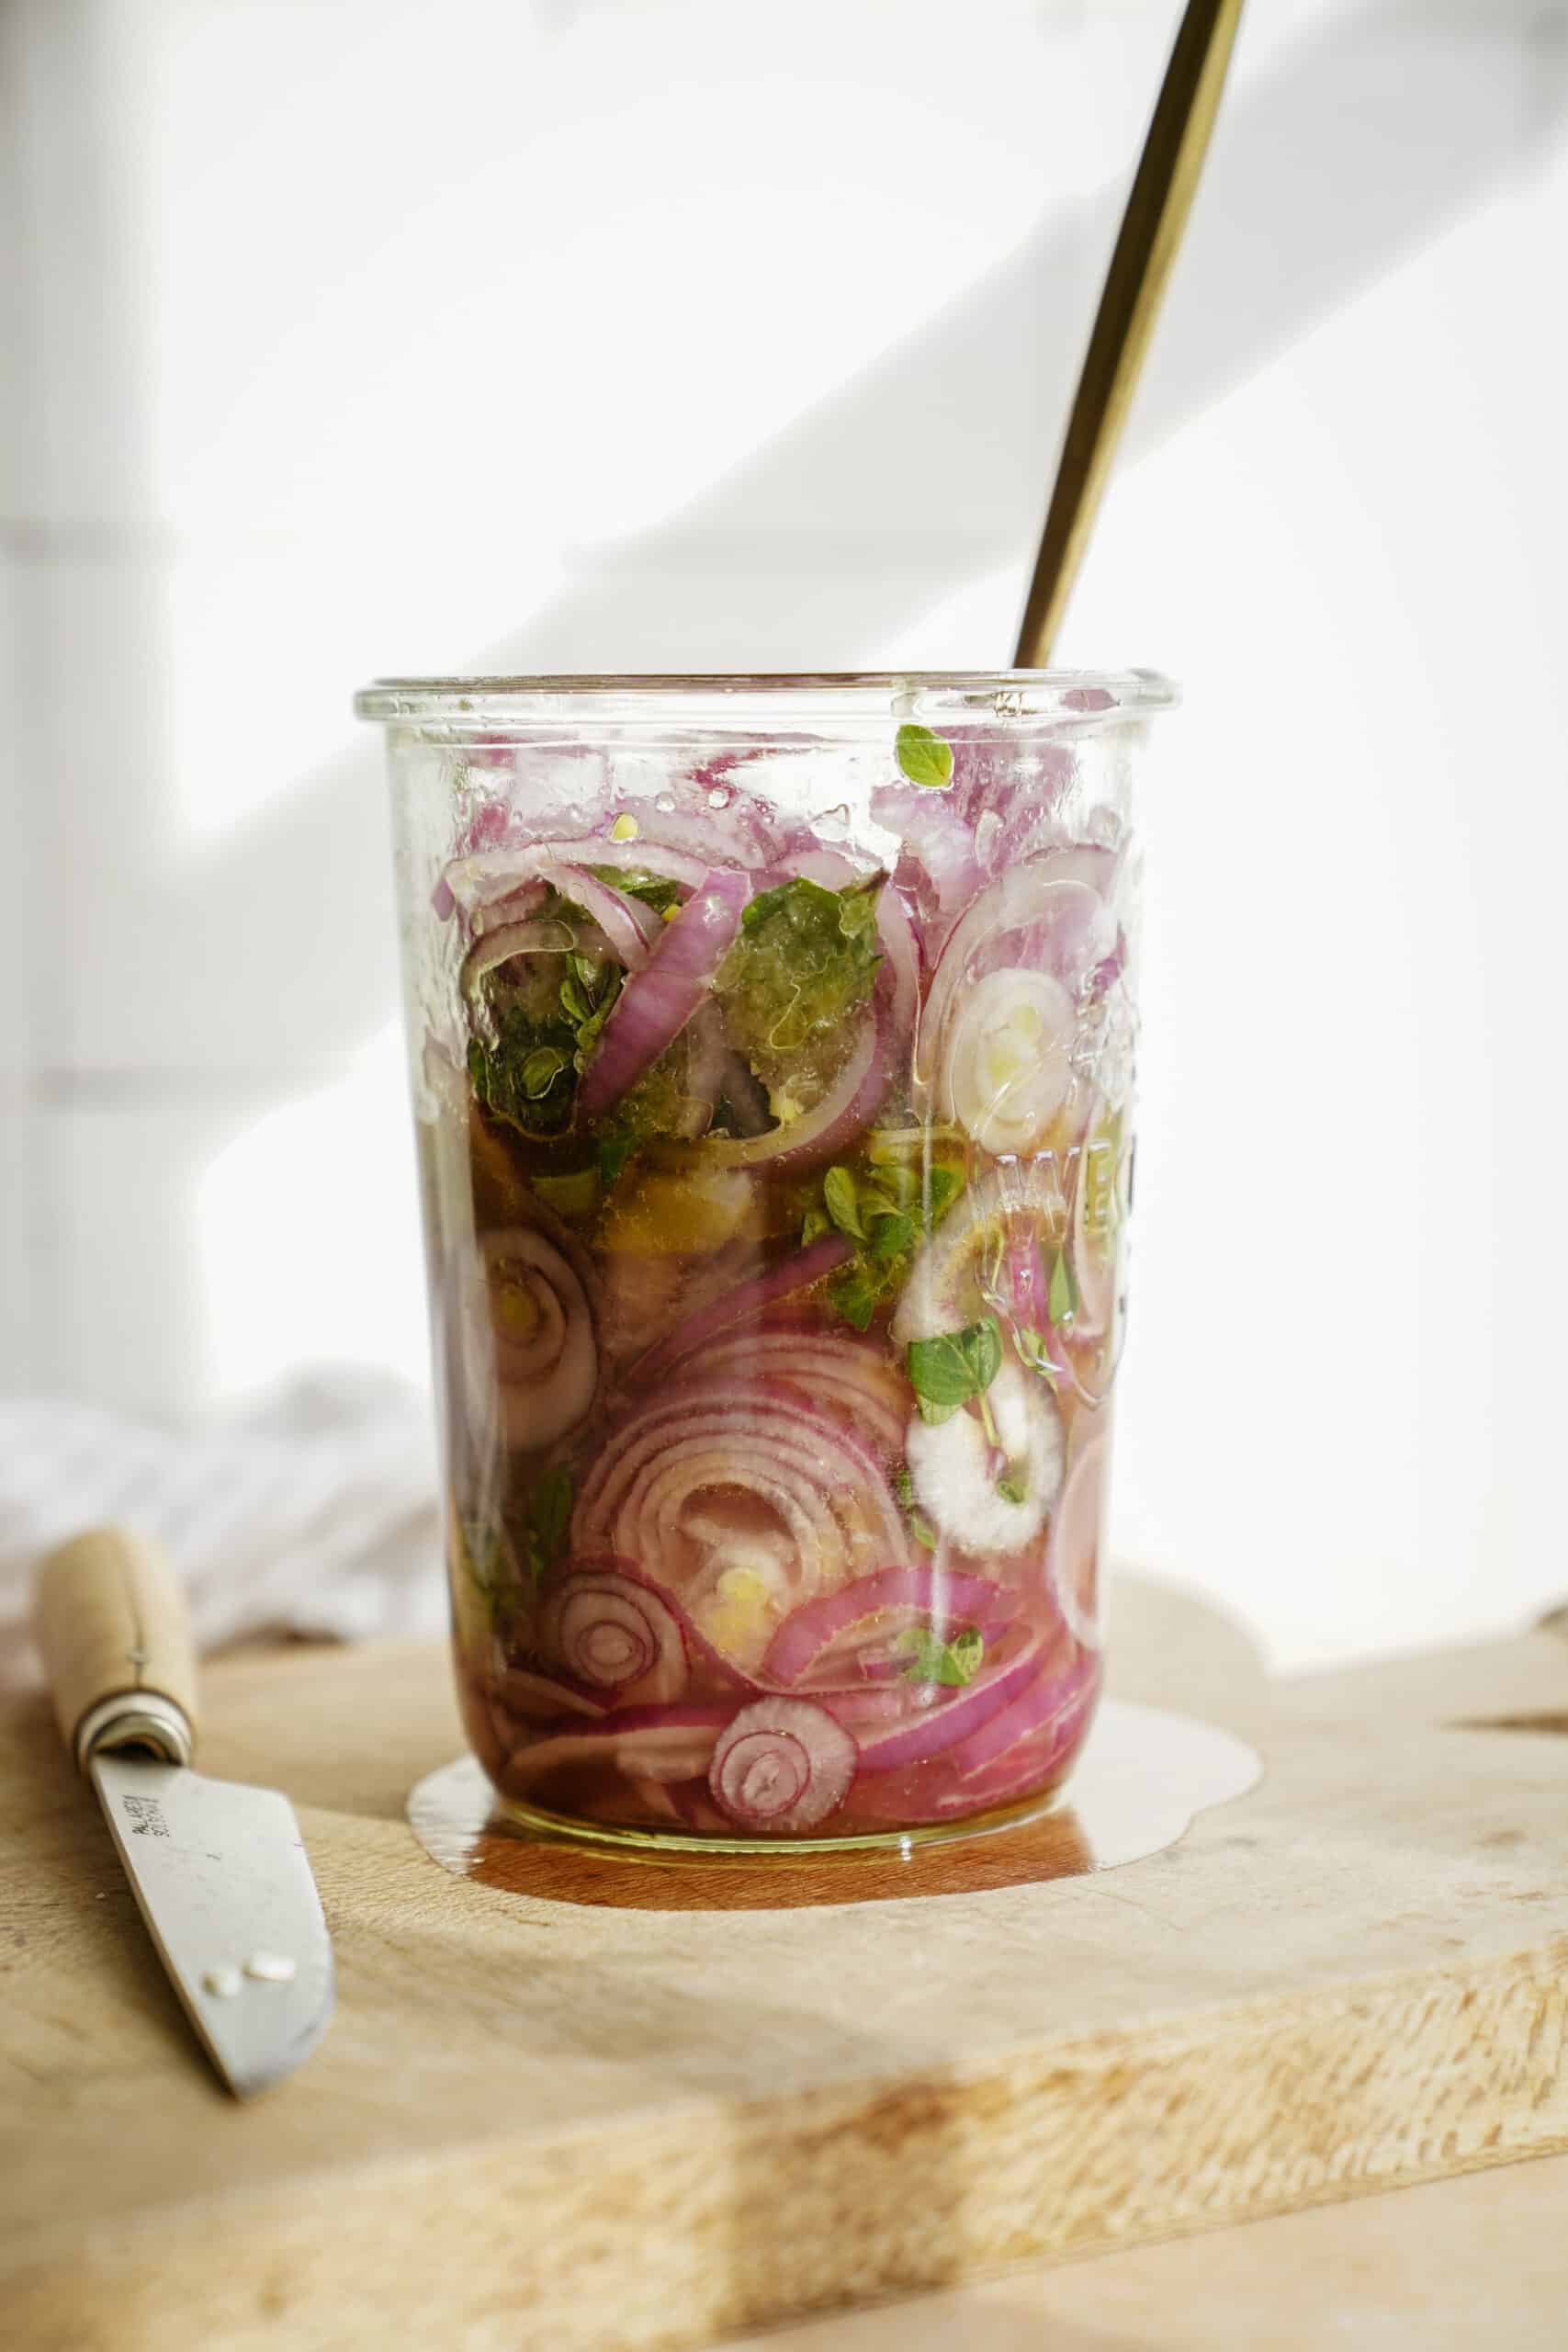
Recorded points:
(569, 2124)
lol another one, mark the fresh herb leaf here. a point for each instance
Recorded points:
(790, 987)
(654, 890)
(577, 1006)
(813, 1224)
(940, 1372)
(934, 1415)
(576, 1195)
(1064, 1301)
(1012, 1491)
(982, 1346)
(903, 1485)
(922, 1530)
(925, 758)
(892, 1237)
(952, 1663)
(943, 1188)
(854, 1296)
(541, 1069)
(549, 1511)
(613, 1153)
(843, 1207)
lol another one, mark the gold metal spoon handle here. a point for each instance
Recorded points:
(1145, 247)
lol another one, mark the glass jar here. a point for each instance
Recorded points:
(773, 1046)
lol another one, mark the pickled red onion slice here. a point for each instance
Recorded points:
(656, 1003)
(741, 1501)
(847, 1378)
(794, 1273)
(1071, 1558)
(1005, 1068)
(943, 1597)
(545, 1356)
(781, 1766)
(614, 1636)
(1014, 1665)
(644, 1743)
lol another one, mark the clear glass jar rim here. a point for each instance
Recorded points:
(973, 694)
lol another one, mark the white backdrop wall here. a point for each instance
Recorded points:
(345, 337)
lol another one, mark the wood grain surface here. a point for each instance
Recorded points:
(546, 2123)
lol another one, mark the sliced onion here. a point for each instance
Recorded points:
(493, 948)
(644, 1743)
(614, 1636)
(1035, 914)
(703, 1662)
(783, 1765)
(630, 926)
(542, 1346)
(795, 1274)
(957, 1477)
(487, 876)
(1005, 1068)
(830, 1125)
(1014, 1667)
(1072, 1558)
(655, 1005)
(943, 1597)
(984, 1248)
(1042, 1701)
(742, 1502)
(543, 1696)
(829, 1370)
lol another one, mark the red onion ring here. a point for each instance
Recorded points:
(945, 1597)
(847, 1378)
(653, 1743)
(614, 1636)
(545, 1376)
(826, 1509)
(487, 875)
(945, 1724)
(781, 1766)
(1064, 919)
(1072, 1552)
(542, 1697)
(1039, 1703)
(655, 1005)
(848, 1105)
(702, 1659)
(796, 1273)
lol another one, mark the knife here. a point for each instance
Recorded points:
(219, 1871)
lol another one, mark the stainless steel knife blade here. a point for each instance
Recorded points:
(221, 1873)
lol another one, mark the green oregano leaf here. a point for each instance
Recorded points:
(925, 758)
(541, 1069)
(930, 1659)
(813, 1224)
(940, 1372)
(1064, 1301)
(549, 1511)
(843, 1207)
(922, 1530)
(892, 1237)
(982, 1345)
(1012, 1491)
(614, 1154)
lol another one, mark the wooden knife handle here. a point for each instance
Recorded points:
(112, 1626)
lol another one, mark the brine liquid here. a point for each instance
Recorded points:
(777, 1169)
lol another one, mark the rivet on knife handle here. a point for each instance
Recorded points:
(112, 1626)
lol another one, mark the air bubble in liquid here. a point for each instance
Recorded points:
(665, 804)
(719, 797)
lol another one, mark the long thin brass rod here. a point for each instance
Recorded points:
(1146, 247)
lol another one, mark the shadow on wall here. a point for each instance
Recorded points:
(1325, 173)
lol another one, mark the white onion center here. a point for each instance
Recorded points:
(1006, 1063)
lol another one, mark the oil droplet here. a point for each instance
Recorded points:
(720, 796)
(270, 1968)
(221, 1982)
(625, 829)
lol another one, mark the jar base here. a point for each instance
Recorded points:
(634, 1844)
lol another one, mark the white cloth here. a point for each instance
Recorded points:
(311, 1512)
